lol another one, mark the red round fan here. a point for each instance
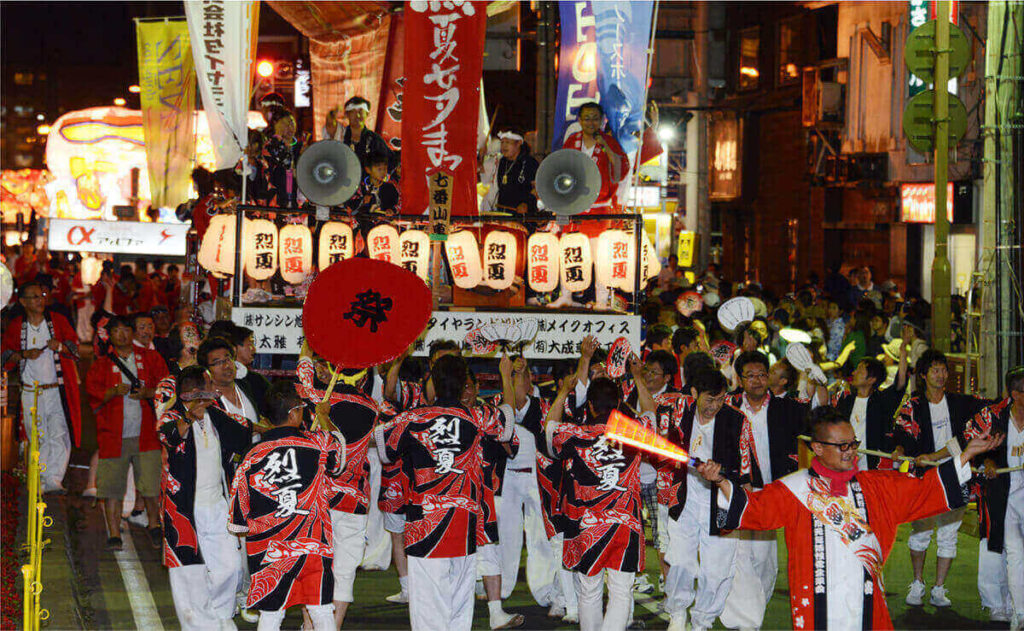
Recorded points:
(722, 352)
(618, 356)
(689, 303)
(363, 312)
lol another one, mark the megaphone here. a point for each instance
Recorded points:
(568, 182)
(328, 173)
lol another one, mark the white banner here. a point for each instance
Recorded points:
(278, 331)
(223, 35)
(118, 237)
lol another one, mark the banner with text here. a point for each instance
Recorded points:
(444, 50)
(577, 66)
(623, 32)
(117, 237)
(167, 79)
(223, 45)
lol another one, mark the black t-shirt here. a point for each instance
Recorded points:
(369, 144)
(515, 183)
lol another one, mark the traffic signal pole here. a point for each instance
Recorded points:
(940, 264)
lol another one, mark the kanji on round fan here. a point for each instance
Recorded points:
(363, 312)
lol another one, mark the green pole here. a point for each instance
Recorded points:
(940, 264)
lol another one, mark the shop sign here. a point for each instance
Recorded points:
(117, 237)
(917, 202)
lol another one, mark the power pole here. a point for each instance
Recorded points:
(940, 265)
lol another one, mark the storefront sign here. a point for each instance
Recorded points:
(725, 157)
(917, 202)
(118, 237)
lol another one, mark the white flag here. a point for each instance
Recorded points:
(223, 36)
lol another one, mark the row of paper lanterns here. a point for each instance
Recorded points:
(573, 259)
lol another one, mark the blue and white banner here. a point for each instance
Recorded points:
(577, 66)
(623, 32)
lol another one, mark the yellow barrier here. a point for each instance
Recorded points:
(37, 520)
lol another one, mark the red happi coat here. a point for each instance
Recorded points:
(65, 363)
(441, 458)
(104, 374)
(886, 498)
(602, 506)
(609, 180)
(281, 499)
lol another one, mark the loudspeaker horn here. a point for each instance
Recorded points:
(328, 173)
(568, 182)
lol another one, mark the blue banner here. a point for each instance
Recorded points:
(577, 66)
(623, 31)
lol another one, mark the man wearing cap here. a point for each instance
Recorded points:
(203, 446)
(517, 170)
(363, 141)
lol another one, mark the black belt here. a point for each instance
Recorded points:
(526, 470)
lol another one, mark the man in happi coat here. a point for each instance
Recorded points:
(840, 522)
(282, 494)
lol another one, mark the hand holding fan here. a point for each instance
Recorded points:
(618, 357)
(735, 312)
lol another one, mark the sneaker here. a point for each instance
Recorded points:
(572, 617)
(1000, 615)
(156, 538)
(250, 616)
(939, 598)
(506, 620)
(138, 518)
(636, 624)
(114, 544)
(401, 598)
(677, 622)
(661, 584)
(915, 594)
(557, 611)
(642, 585)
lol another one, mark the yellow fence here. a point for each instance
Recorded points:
(37, 520)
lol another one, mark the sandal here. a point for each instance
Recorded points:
(114, 543)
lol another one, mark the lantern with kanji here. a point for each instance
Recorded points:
(382, 243)
(217, 251)
(650, 261)
(542, 253)
(614, 249)
(335, 243)
(260, 247)
(296, 253)
(576, 262)
(499, 259)
(415, 252)
(464, 259)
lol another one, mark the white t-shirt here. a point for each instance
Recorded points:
(859, 420)
(759, 427)
(1015, 456)
(132, 425)
(526, 457)
(42, 368)
(942, 431)
(246, 409)
(209, 474)
(701, 440)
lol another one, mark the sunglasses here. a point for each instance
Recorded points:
(843, 447)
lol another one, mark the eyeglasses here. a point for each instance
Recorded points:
(843, 447)
(756, 375)
(653, 372)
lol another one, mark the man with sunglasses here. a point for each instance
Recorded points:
(840, 522)
(203, 446)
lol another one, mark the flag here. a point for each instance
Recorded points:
(223, 46)
(577, 66)
(389, 112)
(623, 32)
(167, 80)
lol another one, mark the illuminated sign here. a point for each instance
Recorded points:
(119, 237)
(724, 155)
(917, 202)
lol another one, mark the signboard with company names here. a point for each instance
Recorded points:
(117, 237)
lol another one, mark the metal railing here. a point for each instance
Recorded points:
(37, 520)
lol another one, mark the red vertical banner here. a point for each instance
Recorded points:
(444, 51)
(389, 112)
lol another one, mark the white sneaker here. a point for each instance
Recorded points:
(401, 598)
(642, 585)
(939, 598)
(250, 616)
(915, 595)
(506, 620)
(557, 610)
(138, 519)
(1000, 615)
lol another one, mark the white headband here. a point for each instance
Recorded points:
(358, 106)
(510, 135)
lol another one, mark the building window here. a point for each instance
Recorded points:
(789, 51)
(750, 45)
(23, 78)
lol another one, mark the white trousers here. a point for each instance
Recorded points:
(755, 570)
(565, 583)
(697, 555)
(54, 439)
(349, 533)
(204, 595)
(590, 589)
(441, 593)
(519, 512)
(1013, 544)
(946, 527)
(377, 554)
(321, 615)
(992, 588)
(488, 561)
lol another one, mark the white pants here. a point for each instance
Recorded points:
(947, 527)
(590, 589)
(54, 439)
(488, 561)
(992, 588)
(519, 511)
(321, 615)
(204, 595)
(755, 570)
(697, 555)
(441, 593)
(377, 554)
(1013, 544)
(394, 523)
(565, 583)
(349, 533)
(663, 530)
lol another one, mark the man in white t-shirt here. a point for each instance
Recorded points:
(218, 356)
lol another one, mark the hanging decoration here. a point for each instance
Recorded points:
(577, 264)
(217, 251)
(382, 243)
(296, 253)
(415, 253)
(612, 259)
(335, 243)
(260, 248)
(464, 259)
(542, 261)
(499, 259)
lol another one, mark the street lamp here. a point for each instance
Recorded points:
(134, 89)
(119, 102)
(43, 129)
(265, 68)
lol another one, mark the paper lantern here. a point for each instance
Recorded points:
(415, 252)
(577, 264)
(217, 251)
(464, 259)
(499, 259)
(651, 263)
(260, 248)
(296, 253)
(612, 259)
(91, 269)
(335, 243)
(542, 261)
(382, 243)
